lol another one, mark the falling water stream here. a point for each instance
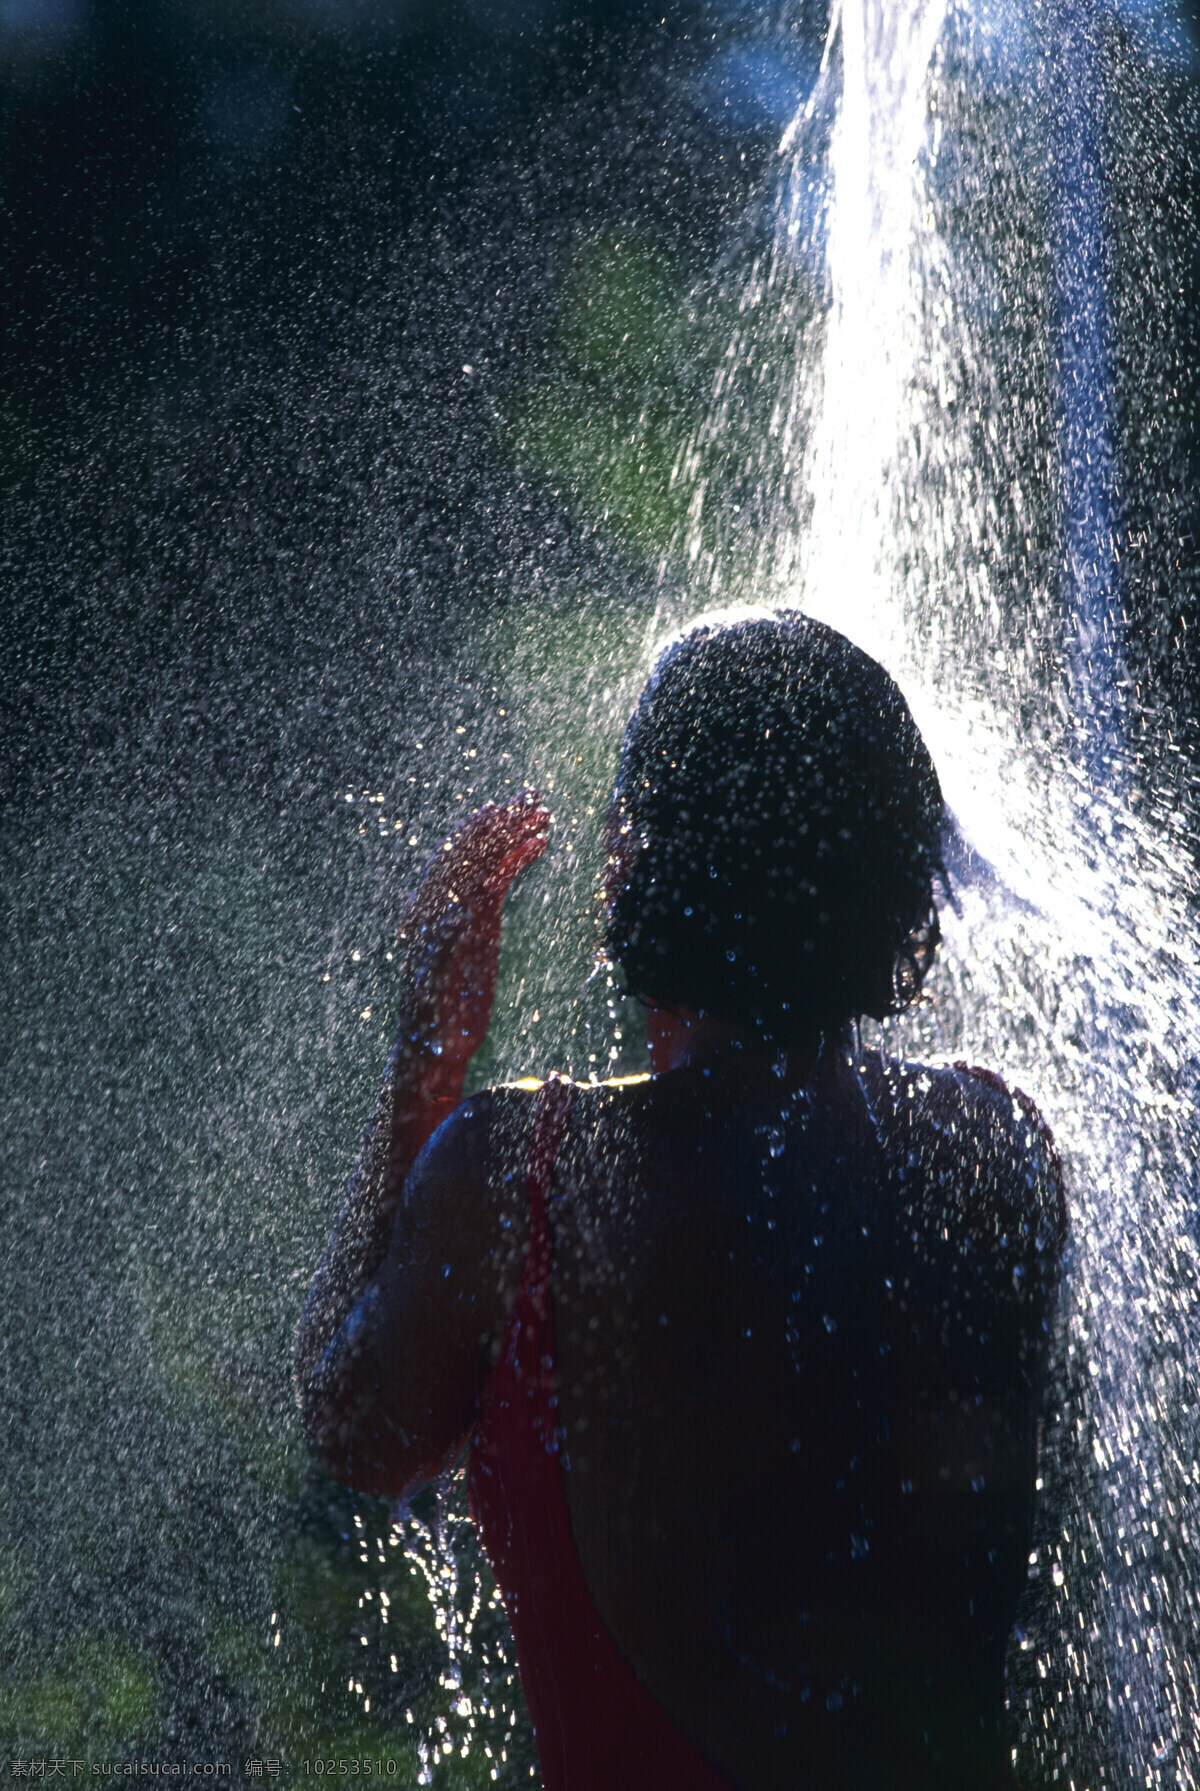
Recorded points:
(908, 432)
(906, 498)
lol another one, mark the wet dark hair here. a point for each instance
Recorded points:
(784, 824)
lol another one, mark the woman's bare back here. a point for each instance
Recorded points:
(799, 1340)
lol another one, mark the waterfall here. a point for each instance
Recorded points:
(873, 329)
(936, 460)
(938, 471)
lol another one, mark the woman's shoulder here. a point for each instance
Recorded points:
(965, 1118)
(486, 1138)
(958, 1094)
(479, 1140)
(465, 1202)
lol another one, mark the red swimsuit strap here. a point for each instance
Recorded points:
(545, 1141)
(597, 1726)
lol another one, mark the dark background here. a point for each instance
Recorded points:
(248, 252)
(347, 351)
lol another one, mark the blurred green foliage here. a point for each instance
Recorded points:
(608, 418)
(101, 1694)
(655, 405)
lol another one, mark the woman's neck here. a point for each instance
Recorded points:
(681, 1038)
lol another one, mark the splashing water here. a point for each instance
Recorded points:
(478, 1711)
(479, 1706)
(872, 333)
(924, 479)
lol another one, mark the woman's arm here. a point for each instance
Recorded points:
(450, 935)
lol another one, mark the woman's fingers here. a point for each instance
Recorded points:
(452, 921)
(516, 860)
(476, 865)
(498, 840)
(450, 927)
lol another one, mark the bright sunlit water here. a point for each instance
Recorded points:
(916, 469)
(197, 975)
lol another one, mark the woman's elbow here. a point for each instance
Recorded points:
(359, 1464)
(333, 1382)
(362, 1465)
(324, 1416)
(360, 1447)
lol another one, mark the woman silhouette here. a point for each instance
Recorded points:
(747, 1353)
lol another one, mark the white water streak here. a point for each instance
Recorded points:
(873, 326)
(1078, 973)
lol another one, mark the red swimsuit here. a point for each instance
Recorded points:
(597, 1726)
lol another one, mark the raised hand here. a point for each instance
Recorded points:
(450, 938)
(450, 928)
